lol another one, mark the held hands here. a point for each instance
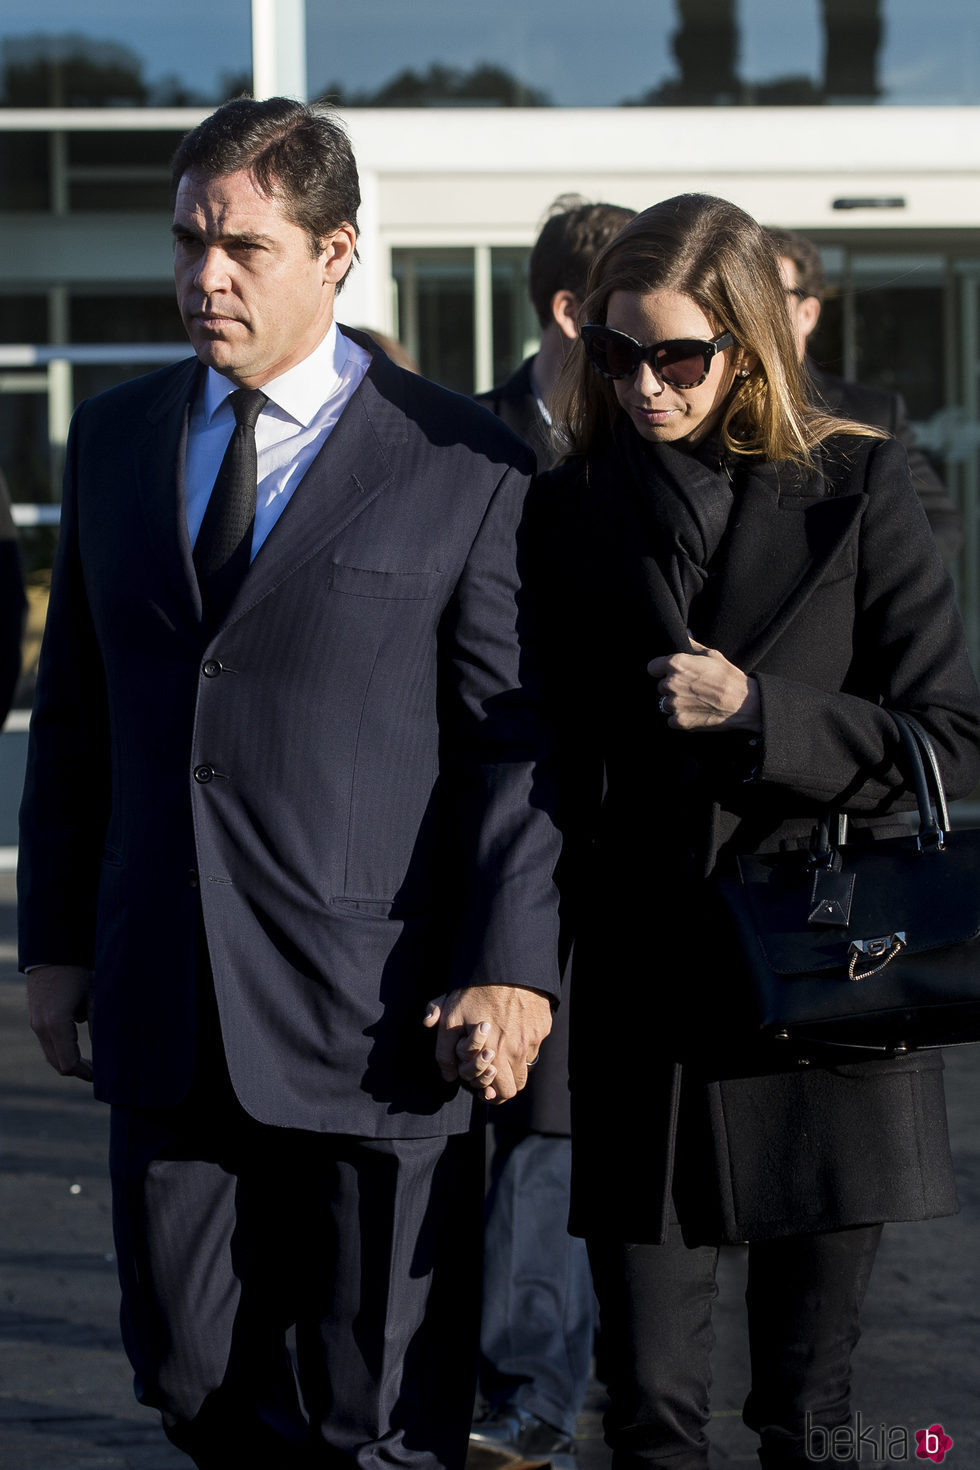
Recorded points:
(59, 999)
(703, 691)
(488, 1036)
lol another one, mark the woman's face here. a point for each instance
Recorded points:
(658, 412)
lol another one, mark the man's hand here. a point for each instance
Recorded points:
(59, 998)
(489, 1035)
(703, 691)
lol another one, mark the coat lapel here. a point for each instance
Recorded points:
(784, 531)
(635, 573)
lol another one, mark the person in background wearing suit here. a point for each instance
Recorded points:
(741, 589)
(12, 604)
(802, 273)
(288, 783)
(557, 268)
(538, 1318)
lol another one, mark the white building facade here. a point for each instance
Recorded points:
(886, 181)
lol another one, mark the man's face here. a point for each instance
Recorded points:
(253, 299)
(804, 312)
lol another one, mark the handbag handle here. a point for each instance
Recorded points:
(933, 817)
(923, 767)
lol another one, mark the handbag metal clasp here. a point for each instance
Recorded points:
(885, 947)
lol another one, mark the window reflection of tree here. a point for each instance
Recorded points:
(484, 85)
(706, 44)
(74, 70)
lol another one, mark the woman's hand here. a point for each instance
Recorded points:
(703, 691)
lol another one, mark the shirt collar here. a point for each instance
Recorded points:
(302, 391)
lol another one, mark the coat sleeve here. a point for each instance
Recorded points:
(66, 799)
(909, 653)
(498, 762)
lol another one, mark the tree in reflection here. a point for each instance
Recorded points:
(705, 47)
(484, 85)
(74, 70)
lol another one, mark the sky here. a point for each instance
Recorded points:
(579, 52)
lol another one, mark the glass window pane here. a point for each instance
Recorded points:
(25, 171)
(24, 436)
(58, 53)
(515, 326)
(146, 195)
(435, 296)
(562, 53)
(898, 304)
(136, 149)
(23, 318)
(101, 316)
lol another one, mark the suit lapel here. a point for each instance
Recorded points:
(349, 472)
(784, 530)
(160, 449)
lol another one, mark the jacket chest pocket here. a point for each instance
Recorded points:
(389, 585)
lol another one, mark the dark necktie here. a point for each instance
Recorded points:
(223, 548)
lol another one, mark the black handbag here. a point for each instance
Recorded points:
(869, 949)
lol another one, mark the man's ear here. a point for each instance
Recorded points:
(808, 314)
(338, 253)
(564, 310)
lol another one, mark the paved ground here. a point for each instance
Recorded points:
(65, 1400)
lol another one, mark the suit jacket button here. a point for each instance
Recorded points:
(213, 668)
(204, 774)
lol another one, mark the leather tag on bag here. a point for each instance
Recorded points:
(830, 898)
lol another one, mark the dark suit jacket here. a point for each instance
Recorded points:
(832, 593)
(542, 1107)
(515, 402)
(347, 780)
(887, 410)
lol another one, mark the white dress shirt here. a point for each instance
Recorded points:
(304, 405)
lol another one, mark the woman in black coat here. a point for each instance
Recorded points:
(741, 588)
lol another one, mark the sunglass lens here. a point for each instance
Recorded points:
(611, 352)
(681, 363)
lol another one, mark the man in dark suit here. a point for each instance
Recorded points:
(803, 276)
(287, 784)
(538, 1317)
(573, 233)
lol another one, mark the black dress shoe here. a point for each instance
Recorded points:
(521, 1441)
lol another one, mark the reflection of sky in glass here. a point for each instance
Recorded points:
(581, 53)
(577, 52)
(199, 41)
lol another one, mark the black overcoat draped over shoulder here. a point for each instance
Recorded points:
(828, 588)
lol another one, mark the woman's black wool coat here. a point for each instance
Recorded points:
(829, 589)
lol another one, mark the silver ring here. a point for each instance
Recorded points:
(662, 704)
(533, 1063)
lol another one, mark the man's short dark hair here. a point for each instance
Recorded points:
(573, 233)
(805, 256)
(298, 155)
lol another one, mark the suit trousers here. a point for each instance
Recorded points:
(230, 1233)
(804, 1297)
(538, 1304)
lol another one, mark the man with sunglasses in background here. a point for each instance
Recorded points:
(803, 276)
(538, 1306)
